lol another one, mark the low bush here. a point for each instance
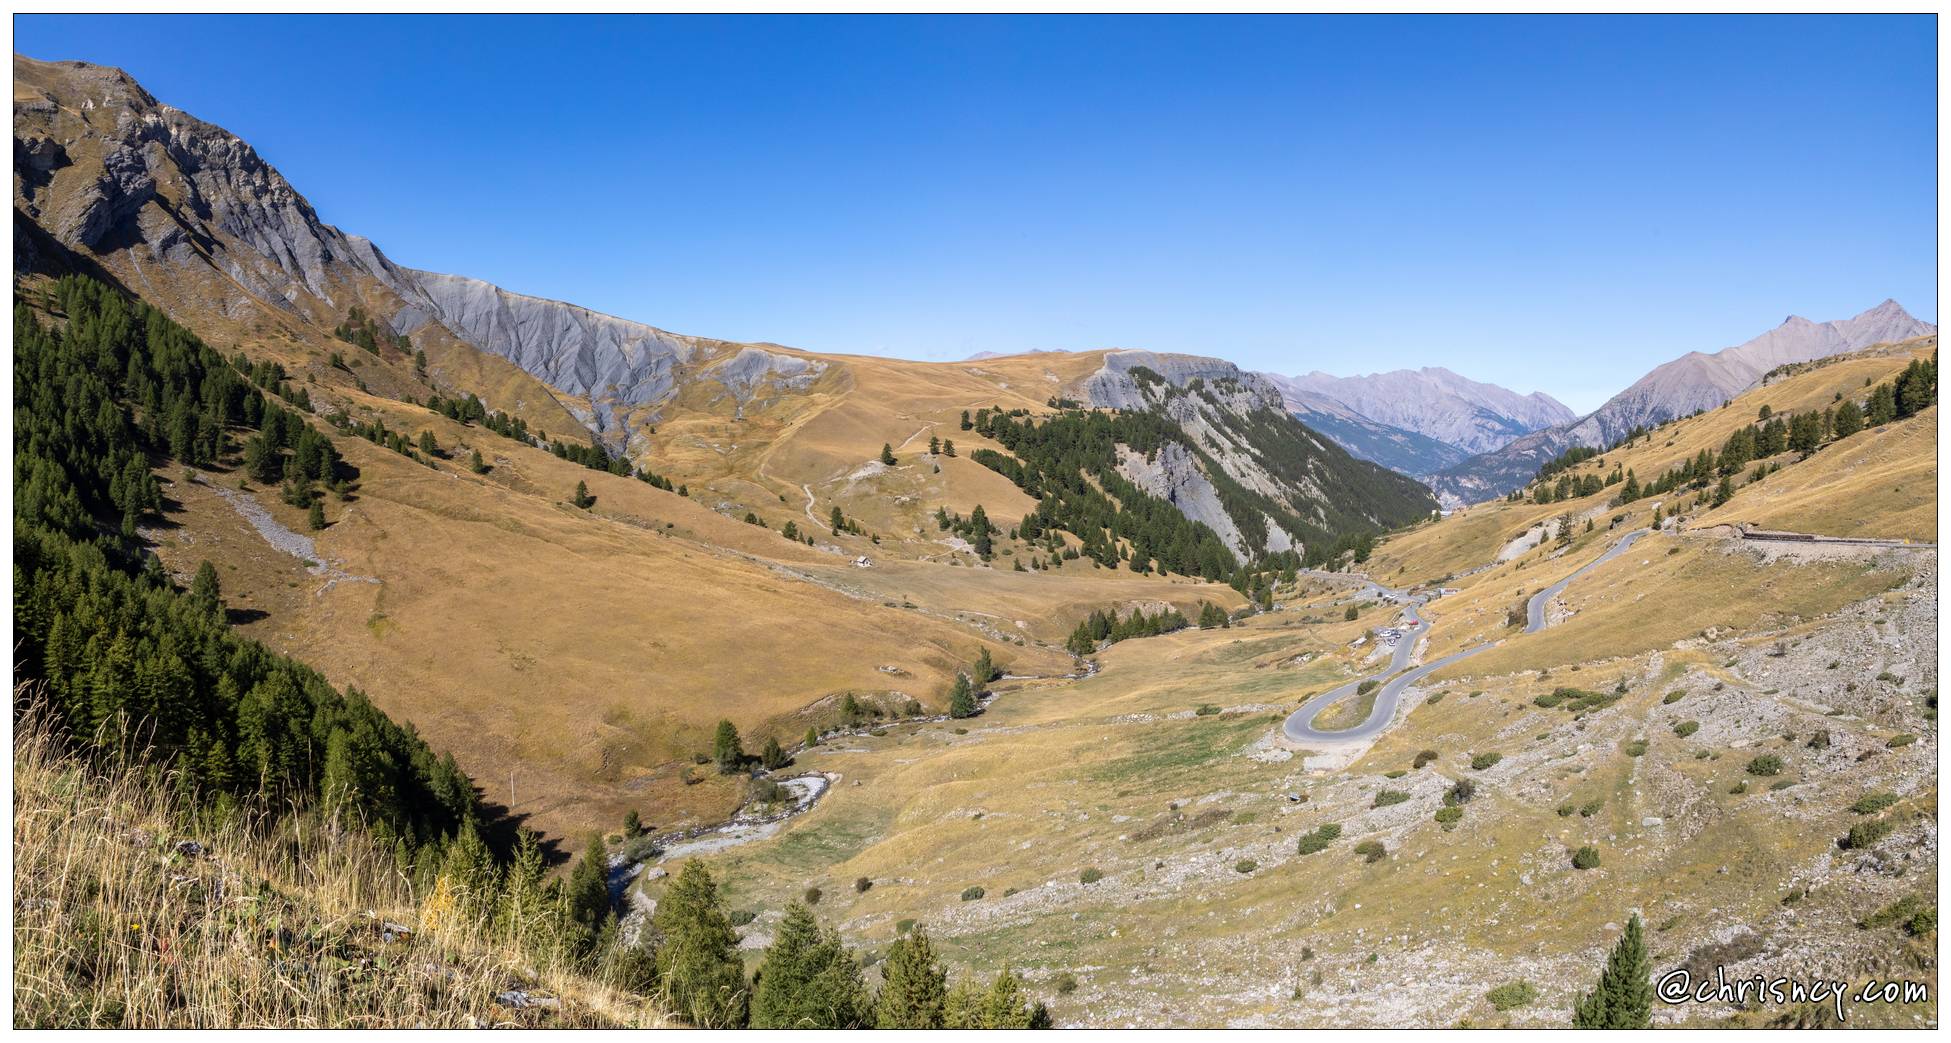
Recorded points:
(1245, 865)
(1565, 810)
(1318, 839)
(1367, 686)
(1484, 760)
(1766, 764)
(1513, 995)
(1674, 696)
(862, 884)
(1425, 758)
(811, 896)
(1448, 817)
(1065, 984)
(1686, 728)
(1371, 851)
(1635, 748)
(970, 894)
(1396, 774)
(1914, 914)
(1461, 793)
(1586, 857)
(1865, 834)
(1901, 740)
(1591, 807)
(1206, 710)
(1385, 798)
(1090, 876)
(1871, 803)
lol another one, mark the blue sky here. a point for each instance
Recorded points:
(1552, 204)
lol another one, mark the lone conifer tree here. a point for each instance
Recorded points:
(808, 979)
(698, 962)
(887, 454)
(726, 749)
(1623, 998)
(984, 670)
(583, 499)
(913, 988)
(772, 756)
(316, 518)
(476, 464)
(961, 698)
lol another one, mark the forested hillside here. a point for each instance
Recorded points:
(120, 666)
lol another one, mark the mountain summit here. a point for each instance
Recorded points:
(1691, 383)
(1436, 403)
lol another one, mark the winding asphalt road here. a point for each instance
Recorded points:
(1298, 727)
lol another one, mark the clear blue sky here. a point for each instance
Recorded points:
(1552, 203)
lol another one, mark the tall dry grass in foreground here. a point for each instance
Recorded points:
(134, 910)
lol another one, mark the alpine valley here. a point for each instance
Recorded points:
(394, 648)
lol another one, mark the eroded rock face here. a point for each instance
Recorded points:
(102, 167)
(1239, 422)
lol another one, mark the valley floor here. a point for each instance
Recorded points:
(1137, 830)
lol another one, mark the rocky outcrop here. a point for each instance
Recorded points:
(1285, 479)
(107, 170)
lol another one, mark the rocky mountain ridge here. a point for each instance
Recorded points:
(1689, 384)
(1434, 402)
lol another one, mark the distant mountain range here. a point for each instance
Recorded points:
(1686, 385)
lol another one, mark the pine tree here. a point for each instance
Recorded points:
(205, 591)
(633, 824)
(966, 424)
(913, 987)
(961, 698)
(1849, 418)
(984, 670)
(726, 749)
(420, 361)
(934, 445)
(887, 454)
(808, 979)
(1623, 998)
(428, 447)
(586, 902)
(316, 517)
(1724, 492)
(697, 963)
(772, 756)
(1210, 616)
(948, 447)
(476, 464)
(812, 736)
(584, 500)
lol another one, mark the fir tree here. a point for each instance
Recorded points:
(961, 698)
(1623, 998)
(914, 987)
(934, 445)
(586, 902)
(887, 454)
(584, 500)
(205, 590)
(316, 517)
(772, 756)
(697, 963)
(808, 979)
(984, 670)
(1849, 418)
(476, 464)
(726, 749)
(428, 447)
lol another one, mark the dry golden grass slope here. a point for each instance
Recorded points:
(132, 909)
(1122, 837)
